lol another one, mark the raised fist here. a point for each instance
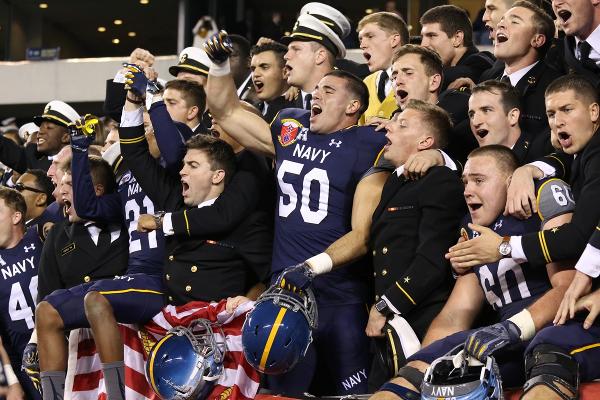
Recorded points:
(218, 47)
(137, 81)
(83, 132)
(141, 57)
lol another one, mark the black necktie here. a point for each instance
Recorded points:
(383, 78)
(506, 80)
(584, 51)
(103, 237)
(307, 101)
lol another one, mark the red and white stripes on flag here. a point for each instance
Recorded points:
(85, 381)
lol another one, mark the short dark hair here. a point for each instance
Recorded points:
(276, 47)
(509, 96)
(355, 86)
(504, 156)
(430, 58)
(437, 119)
(242, 43)
(542, 23)
(387, 21)
(584, 90)
(191, 92)
(100, 171)
(43, 183)
(219, 153)
(451, 19)
(14, 200)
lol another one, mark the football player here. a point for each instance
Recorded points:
(20, 251)
(525, 297)
(325, 206)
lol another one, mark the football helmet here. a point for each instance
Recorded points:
(187, 362)
(278, 331)
(458, 376)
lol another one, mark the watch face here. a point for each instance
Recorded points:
(381, 305)
(505, 248)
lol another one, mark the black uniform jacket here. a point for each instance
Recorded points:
(413, 226)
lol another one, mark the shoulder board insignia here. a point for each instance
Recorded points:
(67, 249)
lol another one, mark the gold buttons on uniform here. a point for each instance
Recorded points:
(384, 250)
(188, 288)
(86, 279)
(170, 298)
(171, 258)
(374, 252)
(376, 297)
(374, 273)
(167, 276)
(194, 268)
(384, 272)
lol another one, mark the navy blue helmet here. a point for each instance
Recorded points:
(187, 362)
(460, 377)
(278, 331)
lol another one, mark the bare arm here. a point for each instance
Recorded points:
(250, 130)
(354, 244)
(460, 309)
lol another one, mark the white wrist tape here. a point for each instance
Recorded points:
(33, 338)
(320, 263)
(11, 378)
(525, 323)
(220, 69)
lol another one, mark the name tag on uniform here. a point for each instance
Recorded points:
(400, 208)
(67, 249)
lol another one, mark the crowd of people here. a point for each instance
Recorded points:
(437, 200)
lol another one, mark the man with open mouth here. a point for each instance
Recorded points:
(380, 35)
(417, 73)
(494, 112)
(580, 21)
(523, 36)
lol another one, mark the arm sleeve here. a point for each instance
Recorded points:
(12, 155)
(161, 187)
(437, 232)
(568, 241)
(168, 135)
(238, 200)
(105, 208)
(555, 165)
(257, 248)
(114, 99)
(48, 272)
(589, 262)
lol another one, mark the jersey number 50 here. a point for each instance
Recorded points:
(314, 175)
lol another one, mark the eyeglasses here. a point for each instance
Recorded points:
(20, 187)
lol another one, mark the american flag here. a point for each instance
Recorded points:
(84, 377)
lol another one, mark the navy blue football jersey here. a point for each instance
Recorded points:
(19, 269)
(146, 249)
(510, 287)
(316, 179)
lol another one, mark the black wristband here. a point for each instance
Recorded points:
(129, 99)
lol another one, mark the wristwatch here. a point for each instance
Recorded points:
(158, 219)
(505, 248)
(382, 307)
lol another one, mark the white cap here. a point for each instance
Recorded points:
(28, 128)
(310, 29)
(192, 59)
(58, 112)
(329, 16)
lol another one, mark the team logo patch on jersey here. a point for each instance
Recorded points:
(289, 131)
